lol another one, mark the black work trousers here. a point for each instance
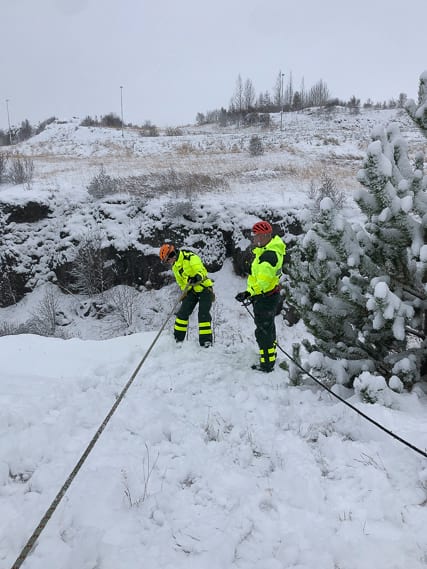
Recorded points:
(265, 309)
(204, 299)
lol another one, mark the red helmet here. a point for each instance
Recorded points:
(166, 250)
(262, 228)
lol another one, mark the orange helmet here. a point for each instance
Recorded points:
(262, 228)
(166, 250)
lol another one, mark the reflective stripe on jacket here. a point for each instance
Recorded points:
(188, 265)
(266, 268)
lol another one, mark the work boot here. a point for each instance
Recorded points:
(263, 368)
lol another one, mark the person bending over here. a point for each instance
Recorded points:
(191, 276)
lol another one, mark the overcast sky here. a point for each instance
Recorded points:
(175, 58)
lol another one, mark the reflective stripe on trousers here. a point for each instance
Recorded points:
(205, 328)
(268, 356)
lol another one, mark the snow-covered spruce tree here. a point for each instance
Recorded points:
(327, 289)
(360, 290)
(394, 200)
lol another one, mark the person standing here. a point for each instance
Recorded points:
(263, 290)
(191, 276)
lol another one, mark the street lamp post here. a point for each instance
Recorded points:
(281, 100)
(121, 107)
(8, 121)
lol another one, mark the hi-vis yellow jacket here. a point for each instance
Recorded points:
(188, 265)
(266, 268)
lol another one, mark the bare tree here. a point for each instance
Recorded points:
(265, 101)
(44, 320)
(237, 102)
(354, 105)
(296, 101)
(303, 93)
(102, 184)
(249, 95)
(401, 101)
(318, 94)
(125, 301)
(288, 96)
(277, 90)
(25, 130)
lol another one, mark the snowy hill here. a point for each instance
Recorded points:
(206, 464)
(66, 151)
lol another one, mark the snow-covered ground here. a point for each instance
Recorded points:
(206, 464)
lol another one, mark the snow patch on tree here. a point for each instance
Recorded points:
(373, 389)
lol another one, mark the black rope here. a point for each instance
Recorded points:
(403, 441)
(26, 550)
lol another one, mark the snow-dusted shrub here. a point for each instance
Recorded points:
(256, 147)
(30, 326)
(102, 185)
(124, 299)
(4, 156)
(395, 384)
(331, 371)
(184, 187)
(186, 148)
(373, 389)
(111, 120)
(171, 181)
(173, 131)
(89, 121)
(10, 329)
(325, 188)
(406, 370)
(295, 373)
(44, 321)
(148, 129)
(21, 169)
(177, 209)
(90, 271)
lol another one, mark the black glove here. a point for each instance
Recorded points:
(194, 280)
(242, 296)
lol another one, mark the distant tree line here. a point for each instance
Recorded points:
(112, 120)
(23, 132)
(247, 107)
